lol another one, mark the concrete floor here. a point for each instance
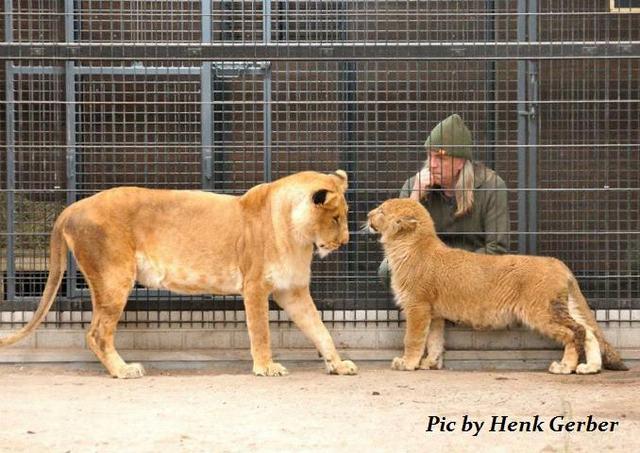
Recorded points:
(219, 406)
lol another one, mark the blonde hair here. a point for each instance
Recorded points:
(464, 189)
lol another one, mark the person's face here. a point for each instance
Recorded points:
(444, 169)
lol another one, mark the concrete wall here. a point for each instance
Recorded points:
(517, 348)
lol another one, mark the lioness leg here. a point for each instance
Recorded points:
(108, 265)
(256, 303)
(109, 296)
(418, 320)
(300, 307)
(435, 346)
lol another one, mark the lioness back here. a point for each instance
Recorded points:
(183, 241)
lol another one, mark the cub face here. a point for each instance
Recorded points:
(394, 216)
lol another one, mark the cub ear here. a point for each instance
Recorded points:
(406, 223)
(324, 197)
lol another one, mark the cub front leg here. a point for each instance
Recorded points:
(418, 320)
(300, 307)
(256, 304)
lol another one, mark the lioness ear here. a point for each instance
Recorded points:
(320, 196)
(344, 180)
(406, 223)
(324, 197)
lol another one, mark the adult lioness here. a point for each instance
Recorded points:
(193, 242)
(433, 283)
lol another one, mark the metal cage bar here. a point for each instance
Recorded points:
(10, 160)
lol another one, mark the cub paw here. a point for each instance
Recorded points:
(271, 369)
(130, 371)
(585, 368)
(401, 364)
(343, 367)
(559, 368)
(431, 363)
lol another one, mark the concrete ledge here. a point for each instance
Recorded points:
(354, 336)
(455, 360)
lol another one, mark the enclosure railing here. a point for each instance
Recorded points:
(223, 95)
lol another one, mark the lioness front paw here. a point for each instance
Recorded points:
(343, 367)
(585, 368)
(271, 369)
(402, 364)
(130, 371)
(431, 363)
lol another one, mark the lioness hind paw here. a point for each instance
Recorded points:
(344, 367)
(130, 371)
(272, 369)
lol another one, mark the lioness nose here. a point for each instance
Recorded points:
(345, 238)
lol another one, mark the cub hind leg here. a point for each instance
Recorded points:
(556, 323)
(593, 354)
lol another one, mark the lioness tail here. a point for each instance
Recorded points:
(58, 263)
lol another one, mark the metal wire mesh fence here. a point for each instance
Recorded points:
(223, 95)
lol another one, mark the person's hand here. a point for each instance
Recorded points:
(421, 184)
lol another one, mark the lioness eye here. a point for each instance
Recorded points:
(336, 219)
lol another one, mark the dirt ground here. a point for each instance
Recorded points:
(221, 407)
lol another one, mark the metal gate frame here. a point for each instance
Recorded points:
(219, 59)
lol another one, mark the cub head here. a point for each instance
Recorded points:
(322, 215)
(397, 217)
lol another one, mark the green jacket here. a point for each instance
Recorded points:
(483, 230)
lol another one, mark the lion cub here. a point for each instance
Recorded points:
(433, 283)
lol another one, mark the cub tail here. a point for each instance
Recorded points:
(611, 359)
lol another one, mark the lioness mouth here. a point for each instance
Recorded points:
(321, 250)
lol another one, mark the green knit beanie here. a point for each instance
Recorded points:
(452, 135)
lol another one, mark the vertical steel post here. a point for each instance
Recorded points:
(70, 127)
(266, 91)
(11, 176)
(532, 139)
(347, 88)
(522, 131)
(205, 102)
(490, 87)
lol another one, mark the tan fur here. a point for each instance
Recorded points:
(433, 282)
(193, 242)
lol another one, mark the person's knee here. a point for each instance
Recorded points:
(384, 274)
